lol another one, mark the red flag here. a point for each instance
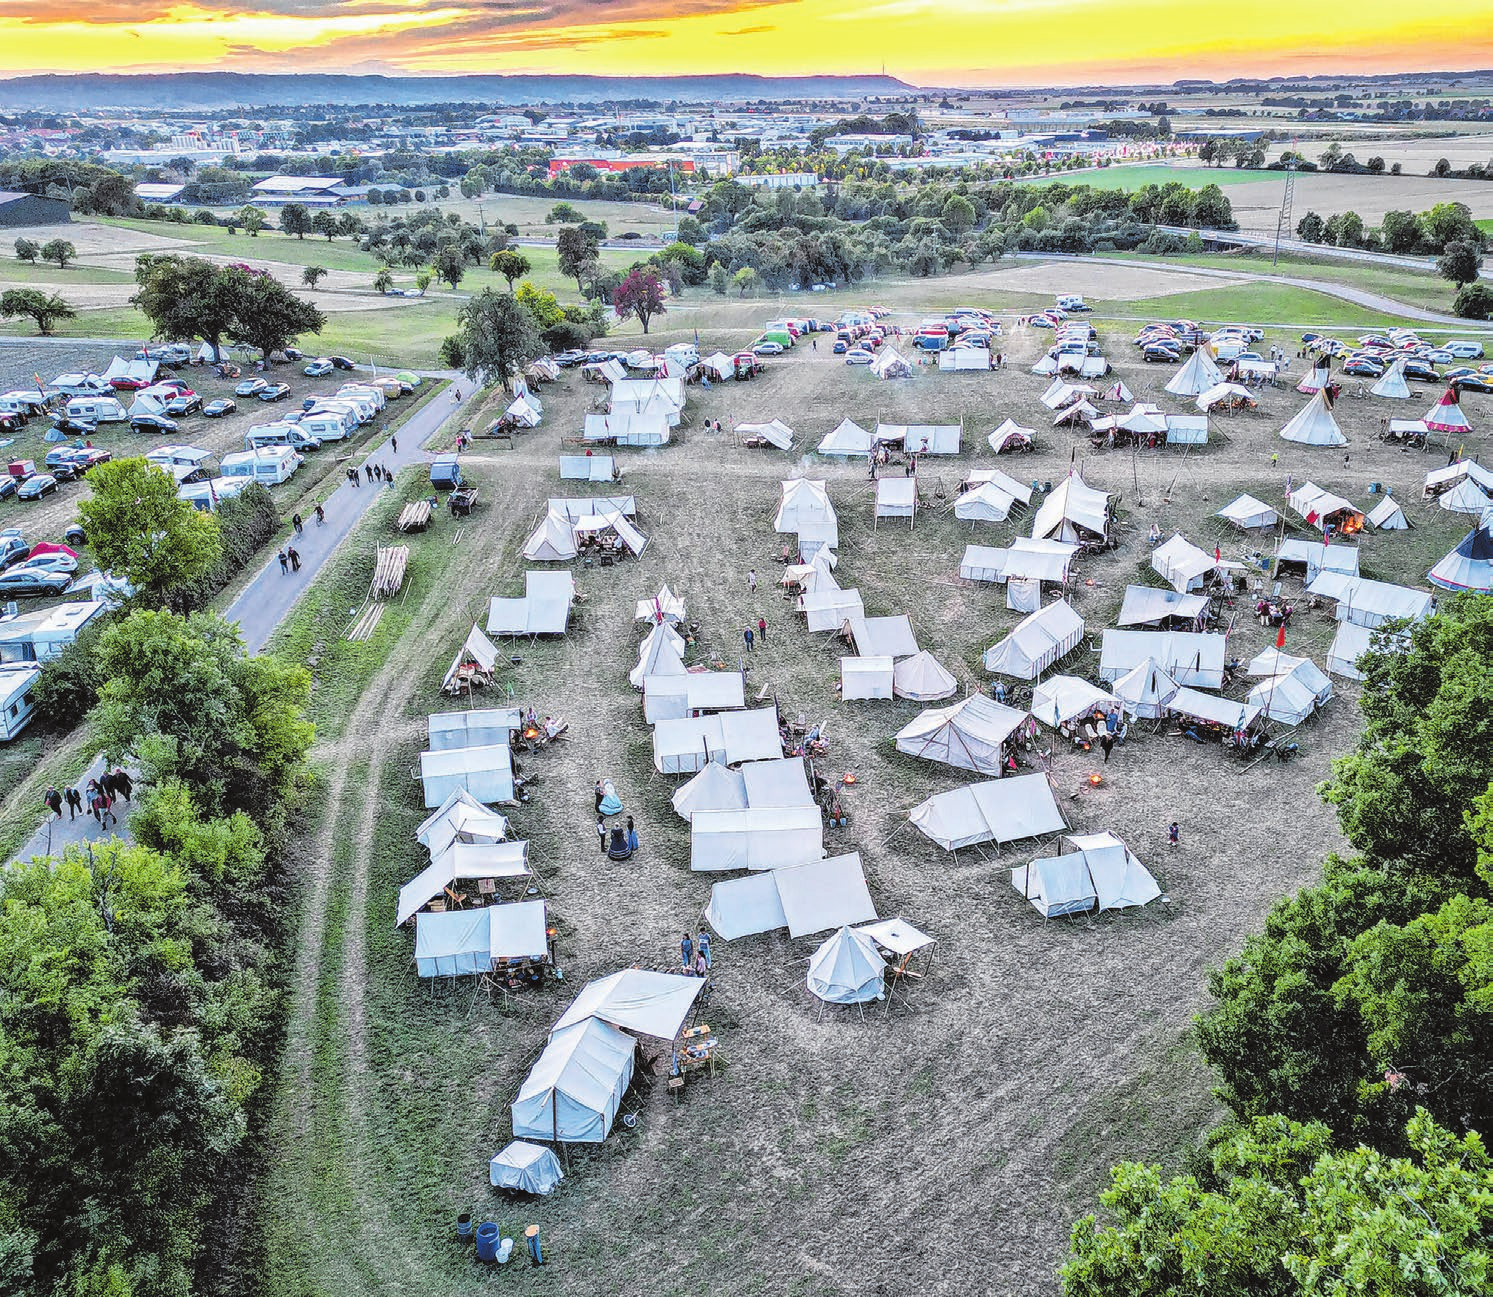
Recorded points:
(1280, 637)
(1217, 555)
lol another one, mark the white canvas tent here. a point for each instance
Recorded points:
(1010, 432)
(665, 396)
(640, 429)
(1273, 662)
(636, 1000)
(1181, 564)
(670, 697)
(613, 520)
(544, 609)
(1230, 392)
(1145, 690)
(922, 679)
(847, 438)
(744, 906)
(1322, 509)
(1196, 376)
(485, 772)
(1314, 425)
(896, 497)
(1193, 703)
(968, 734)
(1392, 385)
(685, 746)
(525, 1168)
(805, 509)
(986, 502)
(588, 468)
(572, 1093)
(847, 969)
(1371, 603)
(525, 411)
(922, 438)
(1315, 557)
(996, 810)
(983, 563)
(1470, 565)
(664, 606)
(1352, 642)
(1100, 870)
(476, 648)
(715, 788)
(865, 678)
(1060, 394)
(1189, 657)
(805, 898)
(776, 782)
(660, 654)
(1073, 512)
(775, 432)
(479, 728)
(718, 365)
(891, 363)
(461, 860)
(1247, 513)
(1284, 698)
(828, 610)
(553, 541)
(768, 837)
(1145, 605)
(463, 942)
(1007, 484)
(1059, 699)
(882, 636)
(1187, 430)
(1037, 641)
(964, 358)
(1467, 496)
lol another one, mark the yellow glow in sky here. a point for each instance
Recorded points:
(937, 42)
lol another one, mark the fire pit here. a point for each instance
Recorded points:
(1095, 780)
(531, 734)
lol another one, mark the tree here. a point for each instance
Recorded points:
(497, 336)
(720, 281)
(747, 280)
(563, 214)
(1281, 1213)
(1311, 228)
(313, 275)
(266, 314)
(60, 251)
(383, 281)
(27, 251)
(140, 531)
(1375, 166)
(1460, 262)
(1473, 302)
(184, 297)
(423, 281)
(450, 265)
(326, 223)
(958, 214)
(641, 295)
(1449, 223)
(45, 309)
(250, 218)
(512, 265)
(574, 248)
(295, 218)
(1401, 231)
(542, 304)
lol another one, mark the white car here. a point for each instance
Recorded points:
(318, 369)
(859, 357)
(768, 349)
(1464, 349)
(1440, 356)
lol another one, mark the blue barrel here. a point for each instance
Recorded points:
(464, 1227)
(487, 1241)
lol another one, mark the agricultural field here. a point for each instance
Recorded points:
(1257, 205)
(950, 1138)
(648, 219)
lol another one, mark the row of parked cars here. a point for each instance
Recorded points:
(25, 573)
(1373, 353)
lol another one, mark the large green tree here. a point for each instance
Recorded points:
(295, 218)
(266, 314)
(497, 336)
(45, 308)
(140, 531)
(575, 248)
(184, 297)
(512, 265)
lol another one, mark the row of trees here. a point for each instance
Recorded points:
(1351, 1037)
(1404, 233)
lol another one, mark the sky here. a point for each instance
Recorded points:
(926, 42)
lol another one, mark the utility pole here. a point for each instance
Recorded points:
(1283, 222)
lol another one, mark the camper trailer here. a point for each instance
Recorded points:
(187, 456)
(328, 424)
(269, 465)
(280, 434)
(205, 496)
(16, 681)
(96, 409)
(79, 385)
(26, 404)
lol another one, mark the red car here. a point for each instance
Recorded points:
(124, 383)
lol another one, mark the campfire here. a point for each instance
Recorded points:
(1095, 780)
(531, 733)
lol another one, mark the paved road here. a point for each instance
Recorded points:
(269, 597)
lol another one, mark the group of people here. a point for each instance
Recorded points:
(752, 634)
(695, 958)
(290, 559)
(99, 795)
(616, 842)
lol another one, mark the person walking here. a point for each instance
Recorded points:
(368, 471)
(1172, 834)
(284, 562)
(94, 792)
(601, 833)
(752, 580)
(124, 783)
(1107, 742)
(600, 794)
(294, 557)
(762, 629)
(295, 521)
(321, 516)
(686, 952)
(747, 635)
(74, 802)
(53, 799)
(394, 444)
(703, 945)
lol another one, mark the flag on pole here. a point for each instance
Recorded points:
(1280, 636)
(1217, 555)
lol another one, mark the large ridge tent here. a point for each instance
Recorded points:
(882, 636)
(671, 697)
(767, 838)
(649, 395)
(577, 508)
(922, 679)
(461, 860)
(1467, 496)
(485, 772)
(1038, 560)
(1315, 557)
(805, 898)
(682, 747)
(968, 734)
(1187, 430)
(847, 438)
(1352, 642)
(775, 432)
(891, 363)
(1145, 690)
(1443, 479)
(1007, 484)
(1371, 603)
(463, 942)
(847, 969)
(1285, 698)
(1446, 415)
(986, 502)
(1059, 699)
(544, 609)
(744, 906)
(1322, 509)
(1145, 605)
(1392, 385)
(718, 365)
(776, 782)
(587, 468)
(1470, 565)
(865, 678)
(1037, 641)
(983, 563)
(1314, 425)
(481, 727)
(715, 788)
(1194, 704)
(1181, 564)
(459, 803)
(1247, 513)
(572, 1093)
(1189, 657)
(805, 510)
(637, 1000)
(1099, 870)
(922, 438)
(526, 1168)
(1273, 662)
(1011, 436)
(996, 810)
(960, 358)
(1060, 394)
(896, 497)
(1073, 512)
(828, 610)
(1196, 376)
(646, 428)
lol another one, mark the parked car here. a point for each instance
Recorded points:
(860, 357)
(67, 471)
(840, 348)
(341, 362)
(768, 349)
(1440, 356)
(33, 585)
(56, 561)
(1156, 355)
(184, 404)
(152, 423)
(13, 549)
(318, 369)
(34, 488)
(1364, 367)
(74, 427)
(1420, 371)
(1474, 383)
(7, 487)
(88, 456)
(569, 359)
(250, 387)
(1464, 349)
(274, 392)
(217, 409)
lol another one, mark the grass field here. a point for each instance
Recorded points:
(819, 1160)
(1134, 175)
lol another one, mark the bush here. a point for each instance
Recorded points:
(246, 523)
(68, 686)
(1473, 302)
(566, 336)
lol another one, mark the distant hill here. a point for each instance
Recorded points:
(204, 90)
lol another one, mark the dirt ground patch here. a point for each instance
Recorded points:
(96, 242)
(955, 1139)
(1103, 282)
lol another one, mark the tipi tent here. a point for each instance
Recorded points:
(922, 679)
(1392, 385)
(970, 734)
(1073, 512)
(1037, 642)
(847, 969)
(1145, 690)
(1196, 376)
(1247, 513)
(847, 438)
(1470, 565)
(572, 1093)
(1446, 415)
(1317, 379)
(553, 541)
(526, 1168)
(996, 810)
(715, 788)
(1314, 424)
(660, 654)
(1100, 870)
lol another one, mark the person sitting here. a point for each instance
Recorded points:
(617, 848)
(554, 727)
